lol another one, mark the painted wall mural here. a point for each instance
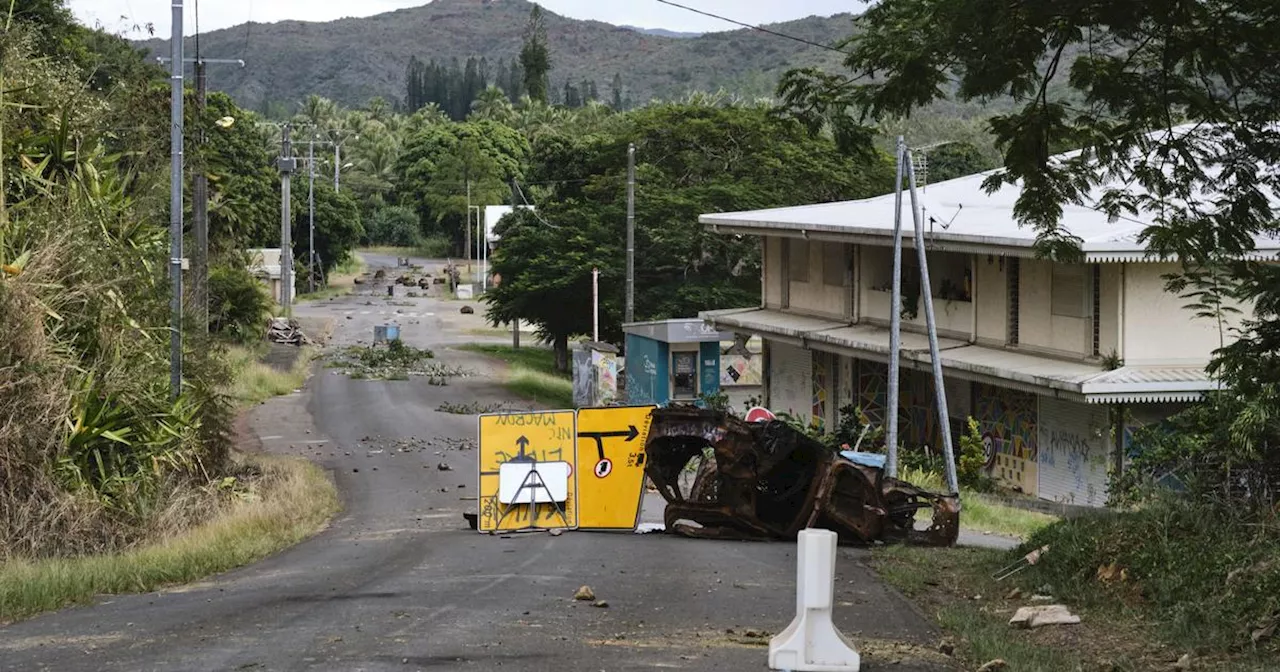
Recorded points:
(1007, 419)
(741, 370)
(917, 418)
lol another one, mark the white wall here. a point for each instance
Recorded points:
(816, 296)
(1038, 327)
(991, 299)
(1159, 329)
(773, 272)
(1073, 452)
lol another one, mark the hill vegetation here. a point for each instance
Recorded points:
(353, 60)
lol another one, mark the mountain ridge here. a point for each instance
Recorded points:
(354, 59)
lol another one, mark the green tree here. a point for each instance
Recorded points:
(466, 175)
(438, 144)
(397, 226)
(955, 159)
(1156, 104)
(338, 230)
(691, 159)
(535, 58)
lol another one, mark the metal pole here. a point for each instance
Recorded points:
(337, 164)
(200, 214)
(595, 305)
(926, 294)
(515, 323)
(895, 325)
(631, 234)
(467, 234)
(311, 215)
(175, 202)
(287, 165)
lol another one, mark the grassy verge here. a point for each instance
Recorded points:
(1150, 587)
(983, 513)
(532, 375)
(287, 501)
(342, 280)
(430, 248)
(254, 381)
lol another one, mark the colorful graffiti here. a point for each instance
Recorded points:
(741, 370)
(917, 417)
(821, 388)
(1007, 419)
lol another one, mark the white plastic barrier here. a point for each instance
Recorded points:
(811, 642)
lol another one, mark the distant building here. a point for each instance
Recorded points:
(1044, 355)
(264, 264)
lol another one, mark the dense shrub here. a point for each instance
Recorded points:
(396, 226)
(238, 303)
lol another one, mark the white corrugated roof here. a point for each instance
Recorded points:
(960, 214)
(1091, 380)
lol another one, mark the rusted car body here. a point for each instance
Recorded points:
(769, 481)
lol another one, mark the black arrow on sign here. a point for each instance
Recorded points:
(630, 434)
(522, 443)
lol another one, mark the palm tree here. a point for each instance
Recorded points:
(378, 108)
(492, 104)
(319, 112)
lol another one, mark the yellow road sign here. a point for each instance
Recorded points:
(611, 454)
(528, 471)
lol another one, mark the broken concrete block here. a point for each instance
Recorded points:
(585, 594)
(1034, 617)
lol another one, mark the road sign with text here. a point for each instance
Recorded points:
(611, 454)
(528, 472)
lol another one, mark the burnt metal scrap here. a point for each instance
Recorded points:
(769, 481)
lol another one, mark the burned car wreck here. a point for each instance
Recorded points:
(725, 478)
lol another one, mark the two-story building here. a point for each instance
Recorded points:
(1045, 356)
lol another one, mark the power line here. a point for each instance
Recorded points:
(197, 30)
(755, 27)
(248, 29)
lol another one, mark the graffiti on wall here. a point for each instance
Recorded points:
(917, 417)
(1007, 419)
(821, 387)
(740, 370)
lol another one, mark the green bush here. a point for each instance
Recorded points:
(238, 303)
(1206, 576)
(396, 226)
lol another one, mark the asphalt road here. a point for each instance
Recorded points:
(399, 582)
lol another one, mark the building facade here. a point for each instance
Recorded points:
(1057, 362)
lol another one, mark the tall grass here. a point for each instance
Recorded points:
(433, 247)
(283, 505)
(532, 373)
(980, 512)
(254, 381)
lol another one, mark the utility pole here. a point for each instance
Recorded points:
(595, 305)
(895, 323)
(337, 164)
(515, 323)
(200, 212)
(467, 234)
(200, 194)
(311, 214)
(287, 165)
(175, 202)
(631, 234)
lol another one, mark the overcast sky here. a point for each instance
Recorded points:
(215, 14)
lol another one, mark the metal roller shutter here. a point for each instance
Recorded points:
(790, 380)
(1072, 452)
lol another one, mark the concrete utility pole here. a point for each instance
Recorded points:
(287, 165)
(175, 202)
(200, 213)
(895, 322)
(200, 198)
(467, 234)
(515, 323)
(631, 234)
(311, 214)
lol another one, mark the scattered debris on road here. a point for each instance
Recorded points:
(393, 361)
(585, 594)
(473, 408)
(769, 481)
(1035, 617)
(287, 331)
(444, 466)
(467, 310)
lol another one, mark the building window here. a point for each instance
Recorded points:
(798, 260)
(835, 264)
(1071, 295)
(950, 275)
(684, 368)
(1014, 269)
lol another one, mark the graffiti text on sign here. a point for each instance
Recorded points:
(492, 511)
(535, 455)
(527, 420)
